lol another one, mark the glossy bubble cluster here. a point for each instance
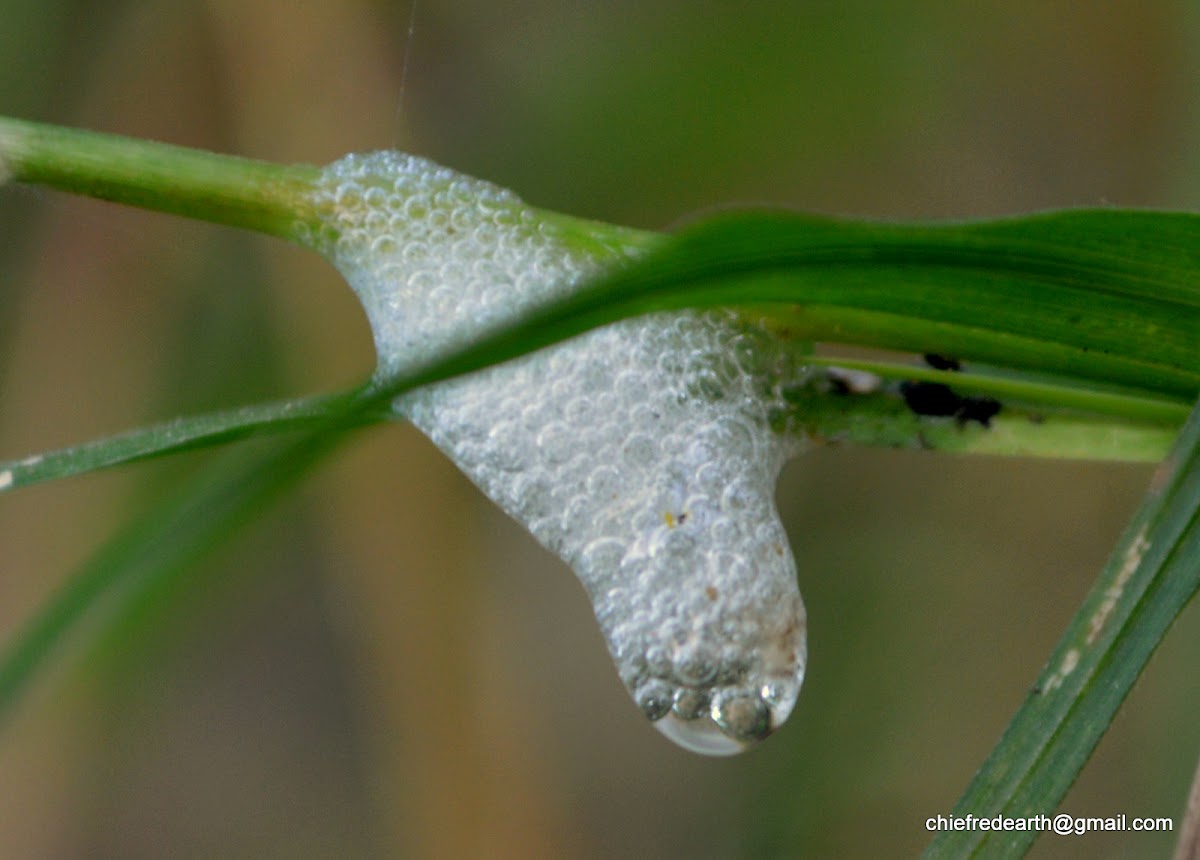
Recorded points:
(640, 453)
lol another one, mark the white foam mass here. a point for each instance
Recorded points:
(640, 452)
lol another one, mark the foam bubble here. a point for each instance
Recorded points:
(640, 452)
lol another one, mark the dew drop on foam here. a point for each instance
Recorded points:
(640, 452)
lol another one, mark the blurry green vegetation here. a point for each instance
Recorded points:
(406, 674)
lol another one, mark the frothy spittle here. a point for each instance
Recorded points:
(640, 452)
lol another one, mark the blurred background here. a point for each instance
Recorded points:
(386, 666)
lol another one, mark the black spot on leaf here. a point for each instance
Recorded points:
(936, 399)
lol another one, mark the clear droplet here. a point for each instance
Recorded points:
(690, 705)
(700, 736)
(654, 698)
(742, 715)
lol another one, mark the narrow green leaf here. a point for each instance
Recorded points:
(878, 418)
(1105, 295)
(180, 434)
(1152, 575)
(978, 291)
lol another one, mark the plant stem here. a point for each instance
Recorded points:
(239, 192)
(1025, 389)
(581, 234)
(882, 419)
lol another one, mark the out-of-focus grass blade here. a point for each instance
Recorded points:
(1153, 573)
(174, 534)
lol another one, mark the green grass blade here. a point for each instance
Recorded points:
(1111, 296)
(1127, 314)
(1152, 575)
(170, 437)
(1139, 429)
(1092, 427)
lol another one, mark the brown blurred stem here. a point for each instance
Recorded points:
(1188, 847)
